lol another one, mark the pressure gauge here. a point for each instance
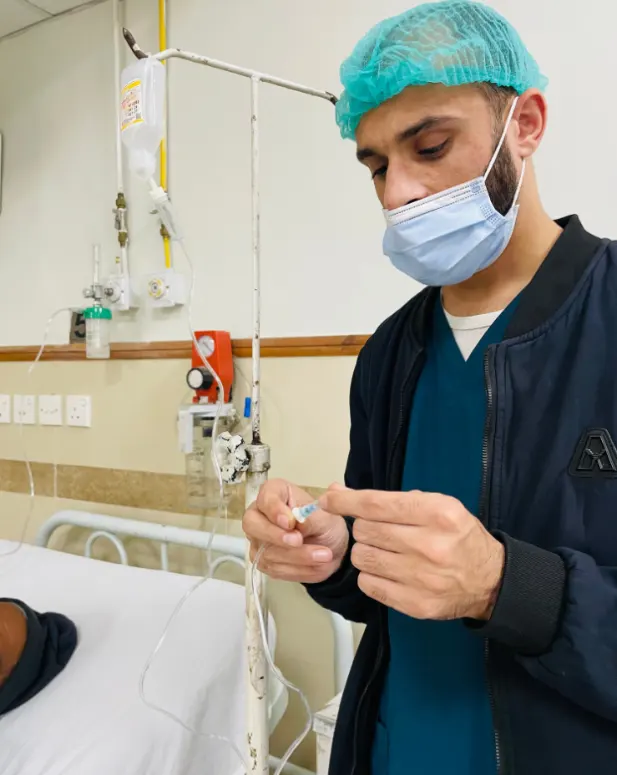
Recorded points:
(206, 345)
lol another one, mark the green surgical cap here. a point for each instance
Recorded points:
(454, 42)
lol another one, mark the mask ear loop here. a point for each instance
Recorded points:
(501, 142)
(520, 184)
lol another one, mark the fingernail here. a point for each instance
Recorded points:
(284, 522)
(322, 555)
(292, 539)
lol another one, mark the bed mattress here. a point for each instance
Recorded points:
(90, 720)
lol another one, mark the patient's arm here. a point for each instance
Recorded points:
(13, 633)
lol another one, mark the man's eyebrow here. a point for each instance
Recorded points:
(429, 122)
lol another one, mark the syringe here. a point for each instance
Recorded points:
(302, 513)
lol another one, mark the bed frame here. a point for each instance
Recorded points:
(230, 549)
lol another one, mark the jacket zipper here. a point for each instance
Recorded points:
(361, 701)
(491, 699)
(484, 515)
(401, 422)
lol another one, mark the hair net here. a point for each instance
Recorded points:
(453, 42)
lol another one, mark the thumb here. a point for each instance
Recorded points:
(338, 487)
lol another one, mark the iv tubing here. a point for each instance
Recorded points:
(163, 149)
(188, 594)
(31, 487)
(275, 670)
(120, 200)
(165, 208)
(116, 33)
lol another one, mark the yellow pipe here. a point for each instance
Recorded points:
(163, 150)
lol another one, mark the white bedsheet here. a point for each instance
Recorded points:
(90, 720)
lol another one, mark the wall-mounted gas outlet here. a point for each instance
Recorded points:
(79, 411)
(50, 410)
(23, 410)
(167, 288)
(120, 293)
(5, 410)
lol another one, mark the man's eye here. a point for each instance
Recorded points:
(434, 150)
(380, 173)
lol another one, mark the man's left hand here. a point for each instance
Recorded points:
(422, 554)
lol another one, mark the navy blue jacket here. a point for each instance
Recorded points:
(549, 494)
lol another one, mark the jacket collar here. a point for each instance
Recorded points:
(550, 287)
(556, 278)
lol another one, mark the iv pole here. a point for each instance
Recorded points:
(258, 736)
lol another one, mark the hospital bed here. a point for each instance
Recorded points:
(90, 719)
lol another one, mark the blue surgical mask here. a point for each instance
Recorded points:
(446, 238)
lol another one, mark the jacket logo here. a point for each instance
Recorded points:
(595, 456)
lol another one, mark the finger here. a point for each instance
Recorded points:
(399, 597)
(259, 529)
(305, 574)
(306, 555)
(378, 562)
(373, 505)
(385, 535)
(405, 508)
(275, 502)
(318, 524)
(387, 592)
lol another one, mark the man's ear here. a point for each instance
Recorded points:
(529, 120)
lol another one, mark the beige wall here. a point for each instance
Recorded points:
(135, 406)
(134, 409)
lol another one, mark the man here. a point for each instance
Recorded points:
(34, 649)
(478, 542)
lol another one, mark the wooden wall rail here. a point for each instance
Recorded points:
(285, 347)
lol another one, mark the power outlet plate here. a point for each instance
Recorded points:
(79, 411)
(5, 410)
(23, 410)
(50, 410)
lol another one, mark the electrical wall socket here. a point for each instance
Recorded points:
(50, 410)
(5, 410)
(23, 410)
(79, 411)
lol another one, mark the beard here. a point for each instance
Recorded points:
(503, 181)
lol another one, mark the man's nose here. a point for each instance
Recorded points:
(401, 188)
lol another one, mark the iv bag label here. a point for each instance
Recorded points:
(132, 112)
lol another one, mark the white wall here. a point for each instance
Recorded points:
(323, 269)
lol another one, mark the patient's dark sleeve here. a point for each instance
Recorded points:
(50, 642)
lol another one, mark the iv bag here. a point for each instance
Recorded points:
(142, 115)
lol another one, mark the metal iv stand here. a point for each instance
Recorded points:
(259, 452)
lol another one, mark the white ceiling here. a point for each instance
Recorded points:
(17, 14)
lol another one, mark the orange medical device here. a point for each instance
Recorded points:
(216, 348)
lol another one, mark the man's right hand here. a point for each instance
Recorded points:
(308, 553)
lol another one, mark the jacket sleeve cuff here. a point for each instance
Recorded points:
(530, 600)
